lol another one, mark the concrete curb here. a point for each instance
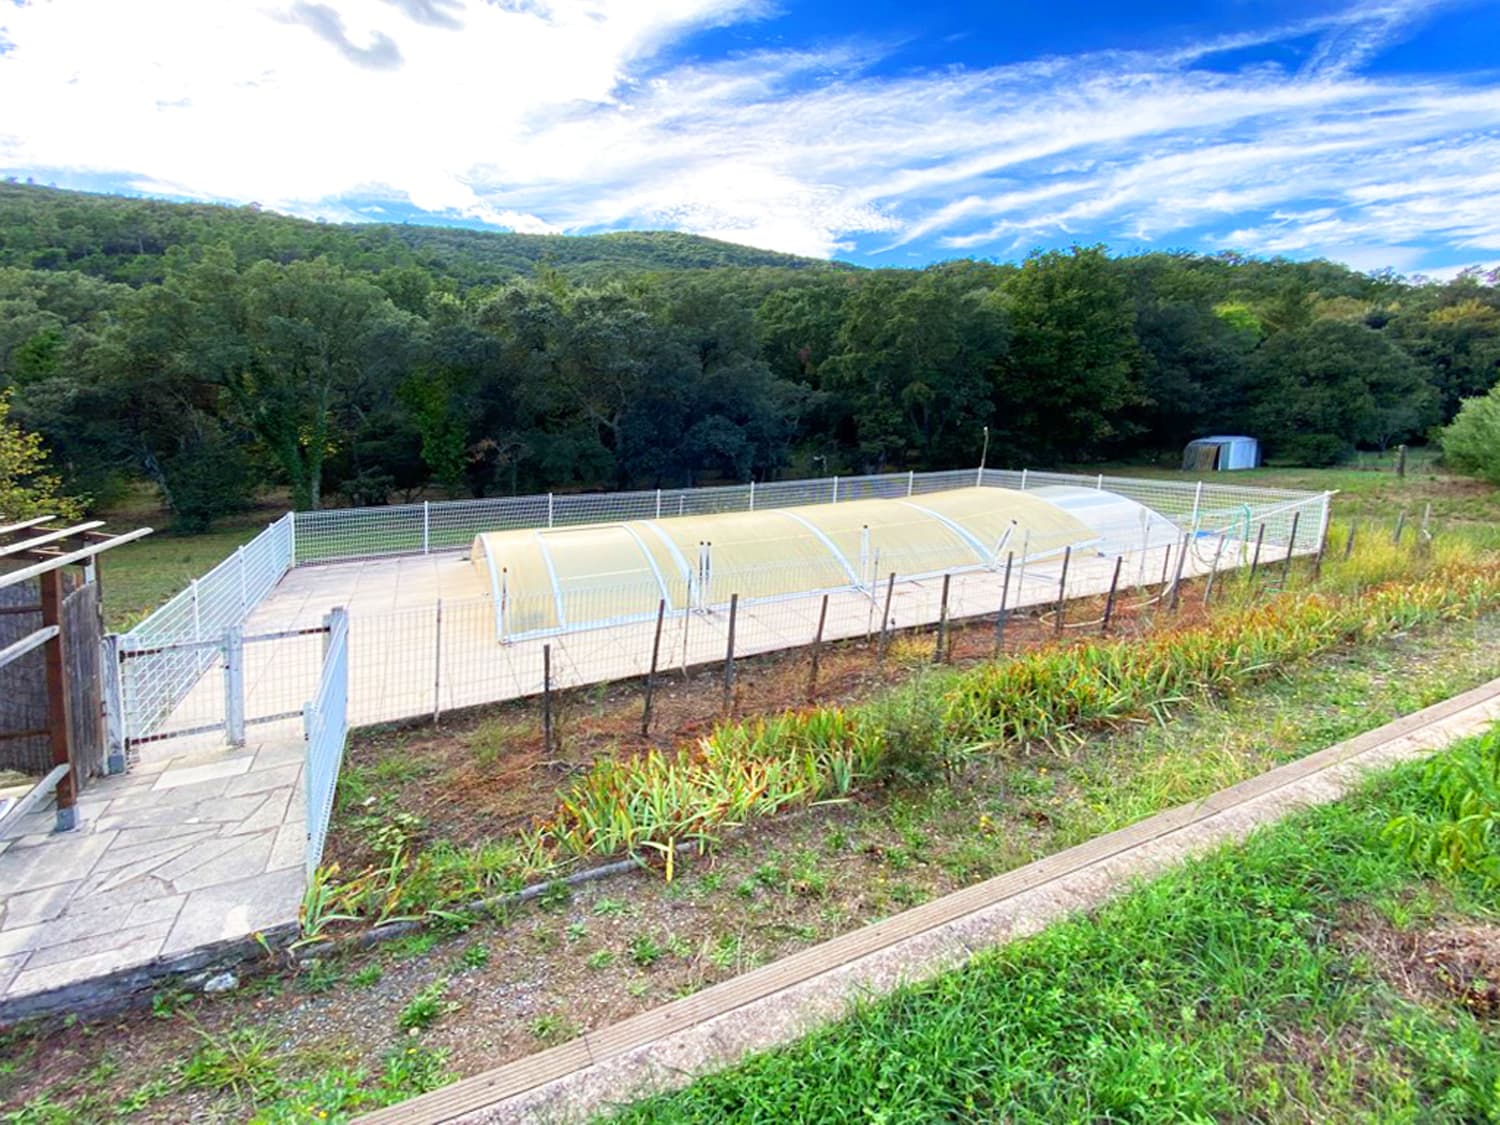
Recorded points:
(670, 1045)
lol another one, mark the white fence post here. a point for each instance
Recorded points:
(549, 509)
(426, 527)
(835, 490)
(291, 561)
(911, 481)
(752, 496)
(197, 618)
(1023, 479)
(1100, 485)
(234, 686)
(114, 704)
(244, 592)
(658, 503)
(1197, 503)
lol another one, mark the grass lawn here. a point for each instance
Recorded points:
(367, 1028)
(1368, 488)
(1315, 973)
(138, 577)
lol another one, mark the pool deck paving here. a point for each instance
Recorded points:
(181, 852)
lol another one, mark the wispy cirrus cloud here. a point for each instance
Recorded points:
(541, 116)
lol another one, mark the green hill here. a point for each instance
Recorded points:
(129, 240)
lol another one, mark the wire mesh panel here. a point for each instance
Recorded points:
(165, 657)
(326, 728)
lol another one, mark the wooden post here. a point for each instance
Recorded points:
(1062, 592)
(1322, 549)
(1291, 545)
(1349, 543)
(885, 620)
(547, 700)
(1400, 527)
(939, 649)
(1109, 602)
(1260, 538)
(57, 700)
(1166, 565)
(661, 613)
(734, 610)
(1004, 607)
(817, 649)
(1401, 460)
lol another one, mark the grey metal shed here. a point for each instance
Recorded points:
(1221, 452)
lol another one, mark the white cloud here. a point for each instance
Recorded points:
(567, 116)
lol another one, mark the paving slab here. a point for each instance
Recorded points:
(209, 771)
(233, 909)
(190, 848)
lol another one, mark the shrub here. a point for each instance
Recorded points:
(1471, 443)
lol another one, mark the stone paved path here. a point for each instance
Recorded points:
(179, 852)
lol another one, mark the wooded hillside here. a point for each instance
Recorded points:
(215, 351)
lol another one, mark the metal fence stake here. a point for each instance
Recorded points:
(1286, 564)
(885, 619)
(1260, 538)
(547, 700)
(817, 650)
(1349, 543)
(734, 610)
(1010, 557)
(1109, 602)
(1177, 574)
(1213, 571)
(940, 649)
(437, 665)
(1062, 592)
(661, 613)
(1400, 527)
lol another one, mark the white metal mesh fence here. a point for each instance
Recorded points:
(326, 728)
(408, 662)
(165, 657)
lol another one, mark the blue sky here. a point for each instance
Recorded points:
(882, 133)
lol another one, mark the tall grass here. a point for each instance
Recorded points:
(762, 766)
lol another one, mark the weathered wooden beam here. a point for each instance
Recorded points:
(57, 701)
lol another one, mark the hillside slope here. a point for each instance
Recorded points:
(128, 240)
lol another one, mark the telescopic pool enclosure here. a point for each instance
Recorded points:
(548, 580)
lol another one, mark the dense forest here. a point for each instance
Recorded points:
(218, 351)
